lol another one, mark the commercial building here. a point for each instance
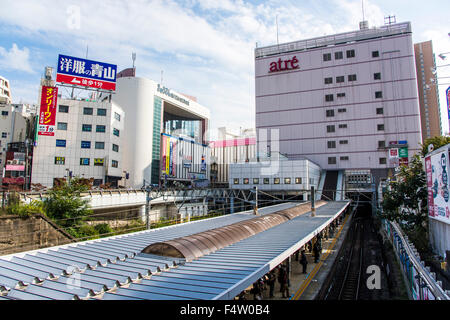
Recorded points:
(87, 143)
(5, 91)
(430, 114)
(241, 148)
(343, 101)
(153, 110)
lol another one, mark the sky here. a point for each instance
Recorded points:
(203, 48)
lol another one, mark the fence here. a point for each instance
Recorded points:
(421, 282)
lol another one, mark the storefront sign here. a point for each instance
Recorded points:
(282, 65)
(47, 112)
(436, 167)
(87, 73)
(403, 153)
(14, 167)
(167, 92)
(393, 153)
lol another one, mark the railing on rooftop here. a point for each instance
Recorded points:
(384, 31)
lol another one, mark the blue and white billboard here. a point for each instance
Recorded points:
(88, 73)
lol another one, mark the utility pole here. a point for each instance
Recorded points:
(313, 209)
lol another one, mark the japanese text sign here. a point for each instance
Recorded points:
(87, 73)
(47, 112)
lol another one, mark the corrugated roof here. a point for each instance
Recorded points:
(114, 268)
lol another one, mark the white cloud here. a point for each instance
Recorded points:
(15, 59)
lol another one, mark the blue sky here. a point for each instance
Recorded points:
(204, 47)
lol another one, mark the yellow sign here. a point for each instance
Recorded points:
(98, 161)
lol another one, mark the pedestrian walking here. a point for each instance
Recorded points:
(316, 252)
(283, 280)
(304, 261)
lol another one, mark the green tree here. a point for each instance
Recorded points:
(405, 201)
(437, 142)
(65, 205)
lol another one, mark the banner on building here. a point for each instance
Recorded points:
(47, 112)
(436, 167)
(87, 73)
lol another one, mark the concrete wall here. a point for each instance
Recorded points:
(22, 234)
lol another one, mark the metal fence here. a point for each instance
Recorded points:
(421, 282)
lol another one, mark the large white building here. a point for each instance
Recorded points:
(152, 109)
(5, 91)
(87, 143)
(343, 101)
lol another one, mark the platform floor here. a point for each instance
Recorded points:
(307, 286)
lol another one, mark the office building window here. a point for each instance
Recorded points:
(326, 56)
(86, 127)
(381, 144)
(341, 95)
(378, 95)
(276, 180)
(85, 144)
(60, 160)
(329, 97)
(246, 180)
(116, 132)
(236, 180)
(60, 143)
(330, 113)
(63, 108)
(287, 180)
(116, 116)
(101, 112)
(4, 113)
(298, 180)
(331, 160)
(375, 54)
(88, 111)
(382, 160)
(342, 110)
(100, 128)
(255, 180)
(343, 126)
(340, 79)
(338, 55)
(344, 158)
(266, 181)
(380, 127)
(352, 77)
(99, 145)
(377, 76)
(379, 110)
(350, 53)
(84, 161)
(61, 126)
(331, 128)
(331, 144)
(115, 147)
(114, 163)
(328, 80)
(343, 141)
(4, 134)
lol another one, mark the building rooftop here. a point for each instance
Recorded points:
(331, 40)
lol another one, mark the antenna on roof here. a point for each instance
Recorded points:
(133, 57)
(276, 21)
(362, 4)
(389, 20)
(363, 24)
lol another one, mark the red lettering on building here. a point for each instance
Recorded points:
(282, 65)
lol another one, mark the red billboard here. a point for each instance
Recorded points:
(47, 112)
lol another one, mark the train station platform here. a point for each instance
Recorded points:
(115, 268)
(307, 286)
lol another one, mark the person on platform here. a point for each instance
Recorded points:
(271, 282)
(283, 280)
(316, 251)
(304, 261)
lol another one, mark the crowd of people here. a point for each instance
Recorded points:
(281, 273)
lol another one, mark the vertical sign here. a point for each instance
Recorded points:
(439, 186)
(428, 170)
(447, 94)
(47, 112)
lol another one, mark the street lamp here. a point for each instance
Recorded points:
(27, 143)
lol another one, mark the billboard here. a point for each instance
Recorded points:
(47, 111)
(87, 73)
(436, 167)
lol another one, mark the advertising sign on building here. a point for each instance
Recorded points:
(87, 73)
(47, 112)
(436, 167)
(393, 153)
(403, 153)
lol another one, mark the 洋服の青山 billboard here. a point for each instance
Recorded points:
(47, 111)
(436, 167)
(87, 73)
